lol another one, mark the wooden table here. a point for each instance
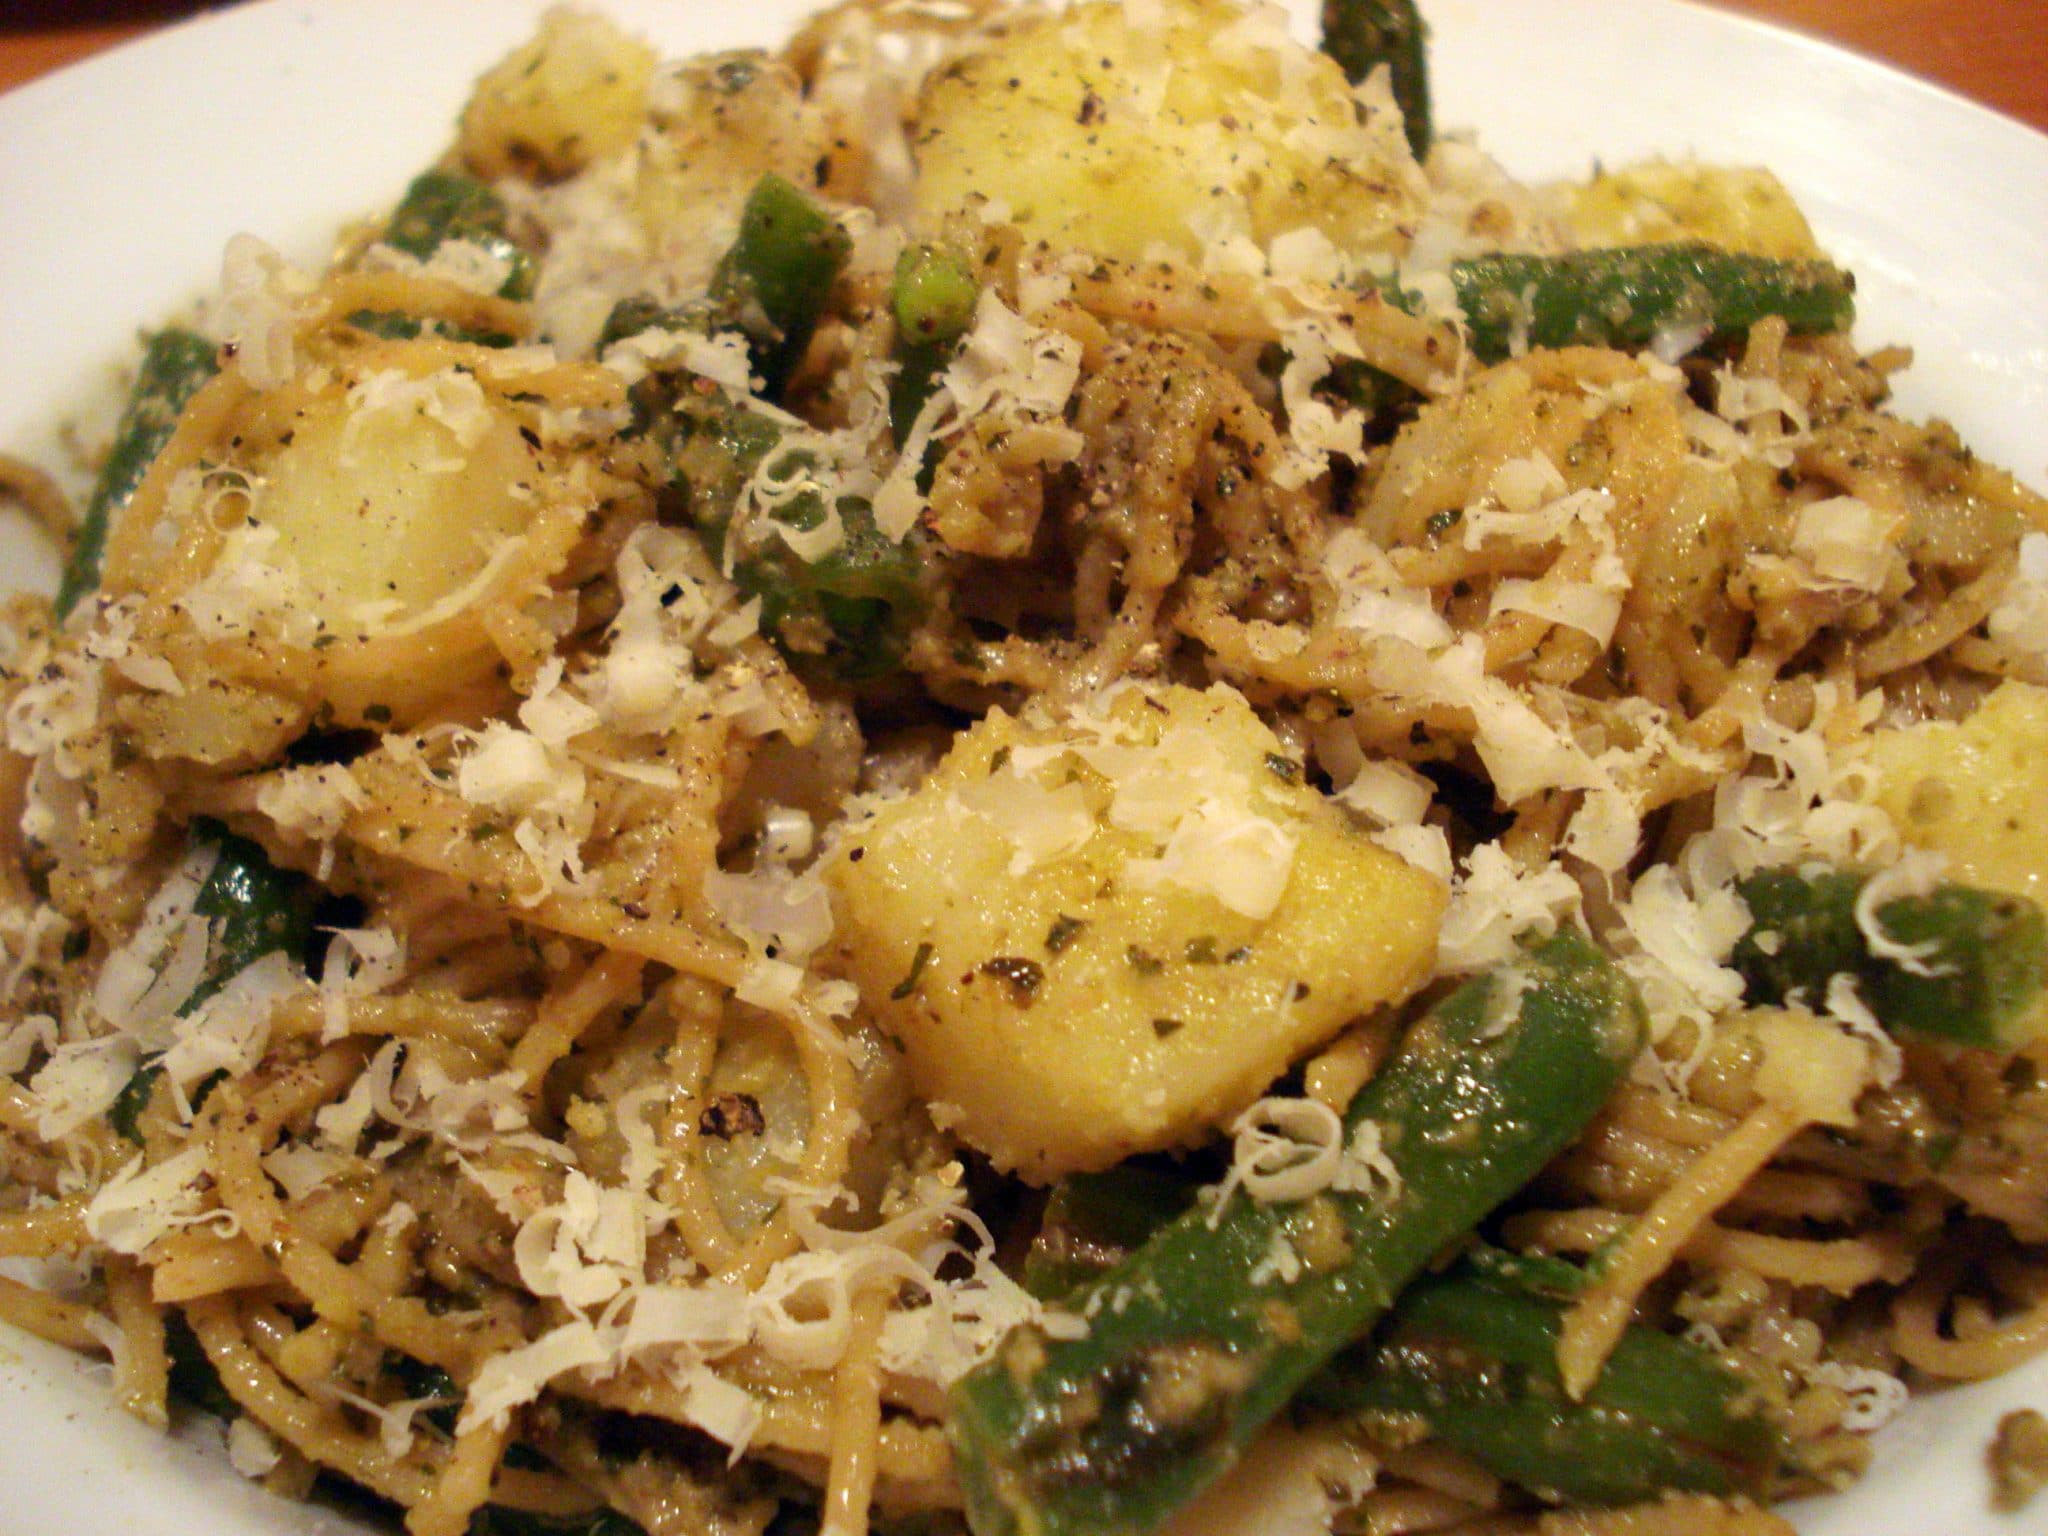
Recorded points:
(1993, 50)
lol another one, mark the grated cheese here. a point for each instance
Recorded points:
(450, 397)
(138, 1205)
(1494, 903)
(1845, 1005)
(1916, 872)
(1288, 1149)
(262, 301)
(588, 1246)
(2019, 624)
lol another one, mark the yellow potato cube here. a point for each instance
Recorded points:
(1738, 207)
(1976, 790)
(1108, 934)
(573, 93)
(390, 498)
(1115, 135)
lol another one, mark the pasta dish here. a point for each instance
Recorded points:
(1024, 772)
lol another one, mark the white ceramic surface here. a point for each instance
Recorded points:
(122, 178)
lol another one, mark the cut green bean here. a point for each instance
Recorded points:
(1622, 298)
(1626, 297)
(1474, 1358)
(849, 610)
(932, 296)
(1361, 35)
(1190, 1349)
(1978, 963)
(1471, 1356)
(253, 909)
(441, 206)
(775, 280)
(175, 363)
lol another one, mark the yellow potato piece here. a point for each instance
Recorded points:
(1100, 132)
(1065, 995)
(573, 93)
(388, 509)
(1976, 790)
(1738, 207)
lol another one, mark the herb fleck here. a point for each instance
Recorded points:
(908, 984)
(1063, 932)
(1020, 975)
(732, 1114)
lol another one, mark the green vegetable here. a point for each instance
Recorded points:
(1186, 1358)
(1474, 1356)
(933, 297)
(1361, 35)
(175, 363)
(849, 612)
(1471, 1353)
(1625, 297)
(1607, 298)
(395, 327)
(193, 1379)
(255, 908)
(775, 280)
(1984, 963)
(1095, 1221)
(441, 206)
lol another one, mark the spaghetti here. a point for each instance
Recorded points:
(445, 1014)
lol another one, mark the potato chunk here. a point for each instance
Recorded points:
(1107, 935)
(1114, 134)
(1738, 207)
(1976, 790)
(575, 92)
(389, 499)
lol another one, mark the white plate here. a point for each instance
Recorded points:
(122, 178)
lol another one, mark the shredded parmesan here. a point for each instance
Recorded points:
(1288, 1149)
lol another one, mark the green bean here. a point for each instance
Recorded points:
(1625, 297)
(774, 281)
(1606, 298)
(1186, 1357)
(254, 909)
(1361, 35)
(848, 612)
(441, 206)
(193, 1379)
(175, 363)
(1473, 1356)
(1977, 979)
(932, 296)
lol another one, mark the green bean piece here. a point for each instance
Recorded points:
(1977, 979)
(933, 297)
(175, 363)
(1620, 298)
(1474, 1357)
(1471, 1355)
(254, 909)
(1627, 296)
(193, 1379)
(847, 613)
(1361, 35)
(1186, 1357)
(775, 280)
(441, 206)
(1094, 1221)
